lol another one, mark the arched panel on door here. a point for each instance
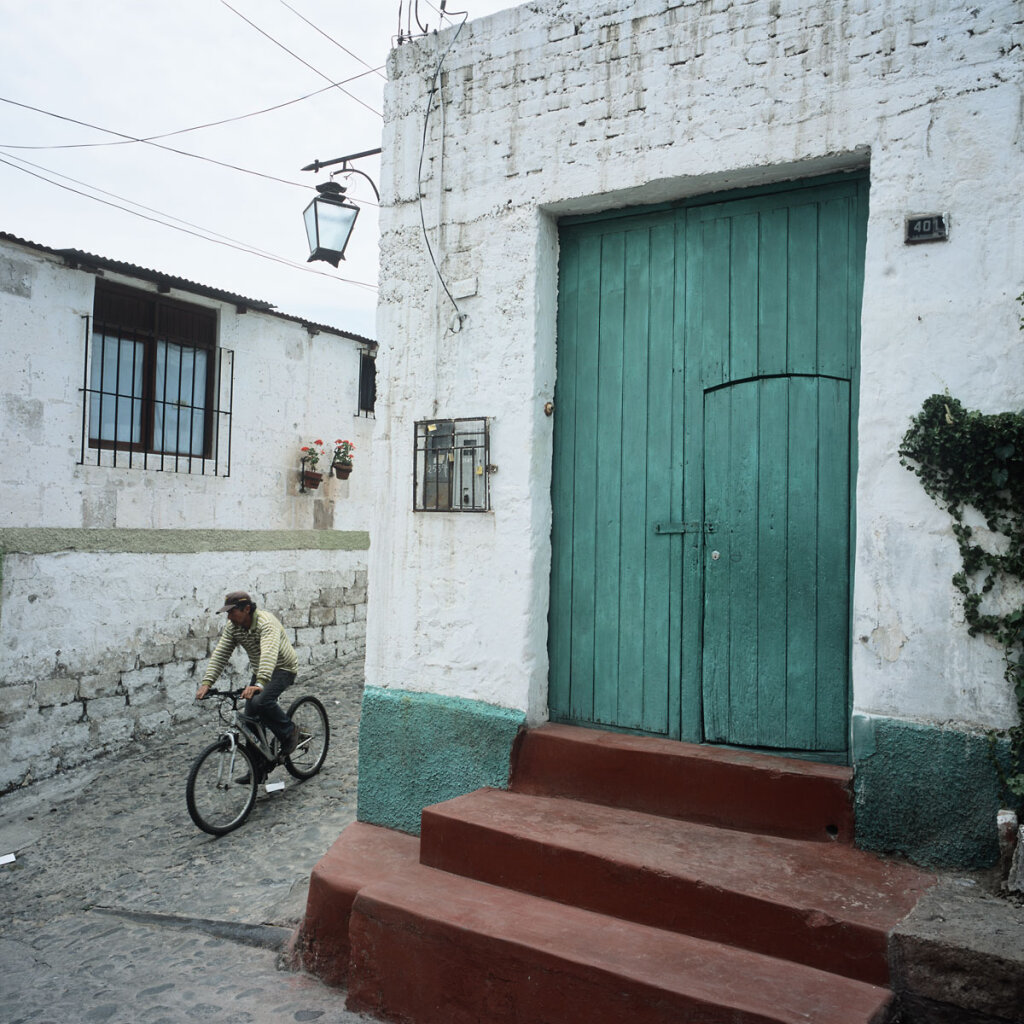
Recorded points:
(775, 663)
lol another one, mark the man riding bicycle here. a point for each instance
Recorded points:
(271, 658)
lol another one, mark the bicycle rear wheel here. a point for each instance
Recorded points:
(218, 801)
(310, 718)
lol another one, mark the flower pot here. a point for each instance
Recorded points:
(342, 470)
(311, 479)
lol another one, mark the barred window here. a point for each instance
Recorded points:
(451, 466)
(151, 376)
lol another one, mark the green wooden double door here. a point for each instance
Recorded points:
(705, 418)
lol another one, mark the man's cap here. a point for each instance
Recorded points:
(236, 599)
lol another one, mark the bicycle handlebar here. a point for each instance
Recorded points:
(234, 695)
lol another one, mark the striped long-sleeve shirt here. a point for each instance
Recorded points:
(265, 642)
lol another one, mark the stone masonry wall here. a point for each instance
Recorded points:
(74, 700)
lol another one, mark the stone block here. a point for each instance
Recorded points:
(103, 684)
(157, 721)
(958, 957)
(294, 618)
(146, 698)
(320, 616)
(346, 613)
(156, 654)
(331, 597)
(111, 733)
(17, 698)
(332, 634)
(192, 648)
(15, 774)
(100, 708)
(360, 613)
(322, 653)
(310, 636)
(56, 692)
(142, 679)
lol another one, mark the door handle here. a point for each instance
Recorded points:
(684, 528)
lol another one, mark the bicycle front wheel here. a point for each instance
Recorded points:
(310, 718)
(221, 788)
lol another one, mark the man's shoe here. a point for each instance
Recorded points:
(291, 743)
(244, 780)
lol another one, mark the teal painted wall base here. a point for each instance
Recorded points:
(417, 749)
(926, 793)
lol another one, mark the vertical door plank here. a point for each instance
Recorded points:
(715, 299)
(636, 455)
(585, 485)
(772, 302)
(717, 622)
(736, 539)
(833, 585)
(560, 607)
(743, 296)
(609, 478)
(661, 593)
(833, 287)
(688, 447)
(772, 596)
(802, 289)
(802, 565)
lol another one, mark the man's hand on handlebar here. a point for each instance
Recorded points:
(250, 691)
(202, 691)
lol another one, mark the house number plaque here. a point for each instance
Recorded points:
(929, 227)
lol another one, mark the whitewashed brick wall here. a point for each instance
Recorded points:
(568, 107)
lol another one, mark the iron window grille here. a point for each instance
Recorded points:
(451, 466)
(157, 391)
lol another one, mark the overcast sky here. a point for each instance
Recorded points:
(145, 68)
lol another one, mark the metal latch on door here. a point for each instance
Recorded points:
(684, 527)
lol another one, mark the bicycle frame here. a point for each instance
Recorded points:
(256, 734)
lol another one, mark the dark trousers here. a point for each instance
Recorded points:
(264, 705)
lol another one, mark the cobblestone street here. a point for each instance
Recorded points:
(119, 909)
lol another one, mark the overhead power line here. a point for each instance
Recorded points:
(158, 145)
(164, 220)
(127, 141)
(277, 42)
(332, 39)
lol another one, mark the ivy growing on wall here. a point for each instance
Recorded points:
(972, 460)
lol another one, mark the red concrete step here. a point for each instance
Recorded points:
(436, 948)
(828, 906)
(360, 855)
(754, 792)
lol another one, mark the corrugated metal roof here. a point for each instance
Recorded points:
(78, 258)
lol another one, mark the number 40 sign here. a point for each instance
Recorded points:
(928, 227)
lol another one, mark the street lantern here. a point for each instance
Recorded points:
(329, 222)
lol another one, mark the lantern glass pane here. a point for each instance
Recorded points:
(334, 224)
(309, 216)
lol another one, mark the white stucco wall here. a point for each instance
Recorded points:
(289, 388)
(560, 107)
(111, 576)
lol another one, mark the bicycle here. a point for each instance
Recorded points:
(224, 778)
